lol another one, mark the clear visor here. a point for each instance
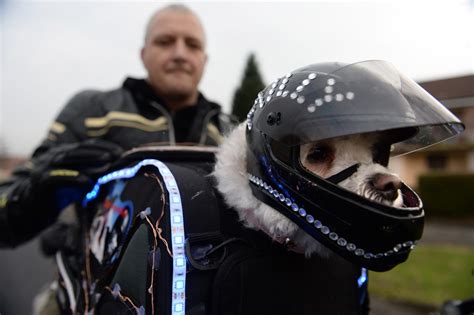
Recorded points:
(369, 96)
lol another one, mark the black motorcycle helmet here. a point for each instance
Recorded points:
(329, 100)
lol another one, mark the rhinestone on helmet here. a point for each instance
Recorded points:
(325, 230)
(369, 256)
(351, 247)
(341, 242)
(397, 247)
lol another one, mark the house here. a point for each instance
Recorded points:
(455, 155)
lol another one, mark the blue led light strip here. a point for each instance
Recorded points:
(176, 221)
(362, 284)
(177, 241)
(363, 277)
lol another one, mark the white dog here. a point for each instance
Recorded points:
(325, 158)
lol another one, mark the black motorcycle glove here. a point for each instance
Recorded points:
(33, 197)
(76, 164)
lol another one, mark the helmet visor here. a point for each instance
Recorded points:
(369, 96)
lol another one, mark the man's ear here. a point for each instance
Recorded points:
(142, 55)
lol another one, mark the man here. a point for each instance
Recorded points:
(94, 127)
(166, 107)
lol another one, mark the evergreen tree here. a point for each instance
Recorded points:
(246, 94)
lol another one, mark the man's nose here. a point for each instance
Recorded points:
(180, 49)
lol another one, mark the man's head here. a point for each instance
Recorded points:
(174, 55)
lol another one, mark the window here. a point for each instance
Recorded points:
(437, 161)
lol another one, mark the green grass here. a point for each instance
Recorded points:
(431, 275)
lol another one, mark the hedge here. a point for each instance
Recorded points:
(447, 195)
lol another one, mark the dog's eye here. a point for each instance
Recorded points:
(319, 155)
(381, 153)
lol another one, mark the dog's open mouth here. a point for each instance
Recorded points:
(410, 199)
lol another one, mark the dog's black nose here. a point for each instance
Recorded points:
(387, 185)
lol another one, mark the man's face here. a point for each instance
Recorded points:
(174, 54)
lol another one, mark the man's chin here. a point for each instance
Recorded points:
(180, 94)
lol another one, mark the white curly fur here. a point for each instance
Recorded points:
(232, 181)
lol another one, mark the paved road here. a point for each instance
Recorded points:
(384, 307)
(437, 232)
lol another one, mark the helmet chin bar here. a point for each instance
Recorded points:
(367, 233)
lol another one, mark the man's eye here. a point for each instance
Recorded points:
(194, 45)
(319, 155)
(163, 42)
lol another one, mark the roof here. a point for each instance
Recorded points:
(452, 88)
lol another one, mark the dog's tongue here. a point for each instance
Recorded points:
(410, 199)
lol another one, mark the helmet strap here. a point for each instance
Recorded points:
(342, 175)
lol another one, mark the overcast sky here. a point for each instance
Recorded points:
(49, 50)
